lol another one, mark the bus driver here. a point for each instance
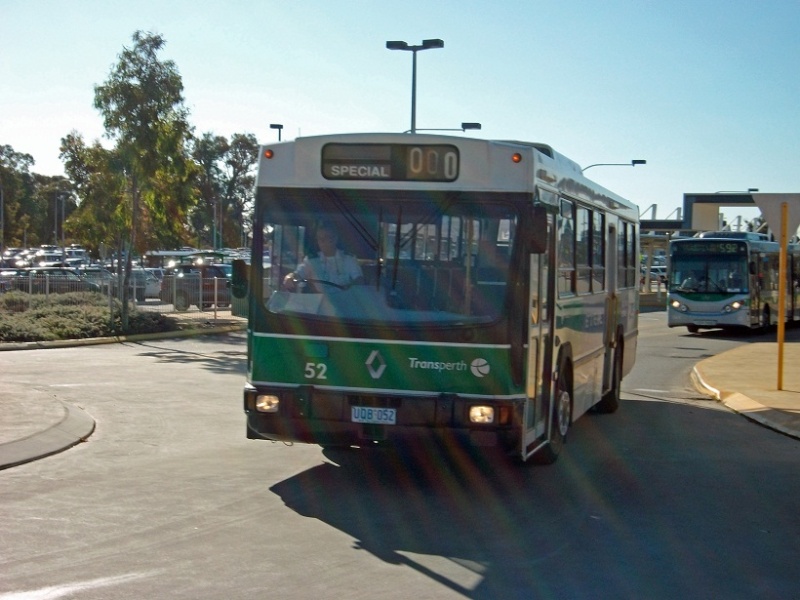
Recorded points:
(330, 265)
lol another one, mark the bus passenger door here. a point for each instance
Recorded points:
(611, 306)
(540, 355)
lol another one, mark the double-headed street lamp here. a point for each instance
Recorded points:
(277, 126)
(425, 45)
(464, 127)
(633, 163)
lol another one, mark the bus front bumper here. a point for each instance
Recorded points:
(307, 416)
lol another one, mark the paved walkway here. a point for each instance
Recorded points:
(745, 379)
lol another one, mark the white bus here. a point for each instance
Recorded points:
(494, 301)
(729, 280)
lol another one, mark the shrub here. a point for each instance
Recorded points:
(31, 318)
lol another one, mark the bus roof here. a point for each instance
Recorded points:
(483, 165)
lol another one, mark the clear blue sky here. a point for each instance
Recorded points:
(707, 91)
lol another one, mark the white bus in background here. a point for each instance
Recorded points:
(729, 280)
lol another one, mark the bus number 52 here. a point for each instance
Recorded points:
(316, 371)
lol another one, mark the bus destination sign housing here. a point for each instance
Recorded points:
(390, 162)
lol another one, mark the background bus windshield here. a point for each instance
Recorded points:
(709, 267)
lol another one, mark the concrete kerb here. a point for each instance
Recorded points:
(139, 337)
(747, 407)
(75, 427)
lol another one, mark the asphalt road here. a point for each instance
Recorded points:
(671, 497)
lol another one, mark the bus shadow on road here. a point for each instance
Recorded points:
(486, 528)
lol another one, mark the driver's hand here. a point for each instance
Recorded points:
(289, 282)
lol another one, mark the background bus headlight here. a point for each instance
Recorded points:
(679, 306)
(733, 306)
(267, 403)
(481, 414)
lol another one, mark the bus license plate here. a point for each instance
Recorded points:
(373, 416)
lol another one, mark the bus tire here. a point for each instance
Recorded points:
(609, 403)
(692, 328)
(561, 419)
(765, 318)
(181, 302)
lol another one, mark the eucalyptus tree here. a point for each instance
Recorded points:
(144, 114)
(240, 162)
(102, 215)
(17, 187)
(225, 186)
(208, 151)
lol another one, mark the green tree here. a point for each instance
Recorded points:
(225, 188)
(208, 151)
(97, 177)
(240, 161)
(18, 185)
(143, 112)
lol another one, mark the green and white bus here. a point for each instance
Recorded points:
(496, 299)
(729, 280)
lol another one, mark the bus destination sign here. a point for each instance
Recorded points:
(390, 162)
(706, 247)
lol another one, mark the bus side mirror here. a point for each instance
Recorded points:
(537, 236)
(752, 268)
(239, 279)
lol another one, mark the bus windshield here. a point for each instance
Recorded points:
(708, 274)
(387, 258)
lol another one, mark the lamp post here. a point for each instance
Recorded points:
(2, 220)
(425, 45)
(633, 163)
(277, 126)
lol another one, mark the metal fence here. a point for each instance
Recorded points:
(190, 298)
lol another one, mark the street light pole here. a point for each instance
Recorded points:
(2, 220)
(633, 163)
(277, 126)
(464, 127)
(425, 45)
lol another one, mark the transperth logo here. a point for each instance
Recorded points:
(480, 367)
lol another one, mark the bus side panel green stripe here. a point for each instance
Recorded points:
(403, 367)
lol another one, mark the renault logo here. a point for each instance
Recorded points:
(375, 364)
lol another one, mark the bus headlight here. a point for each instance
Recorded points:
(267, 403)
(481, 414)
(677, 305)
(733, 306)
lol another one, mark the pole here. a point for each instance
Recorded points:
(55, 220)
(414, 92)
(2, 220)
(63, 219)
(782, 289)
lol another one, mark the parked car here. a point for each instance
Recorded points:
(658, 273)
(55, 280)
(142, 284)
(203, 285)
(156, 272)
(102, 277)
